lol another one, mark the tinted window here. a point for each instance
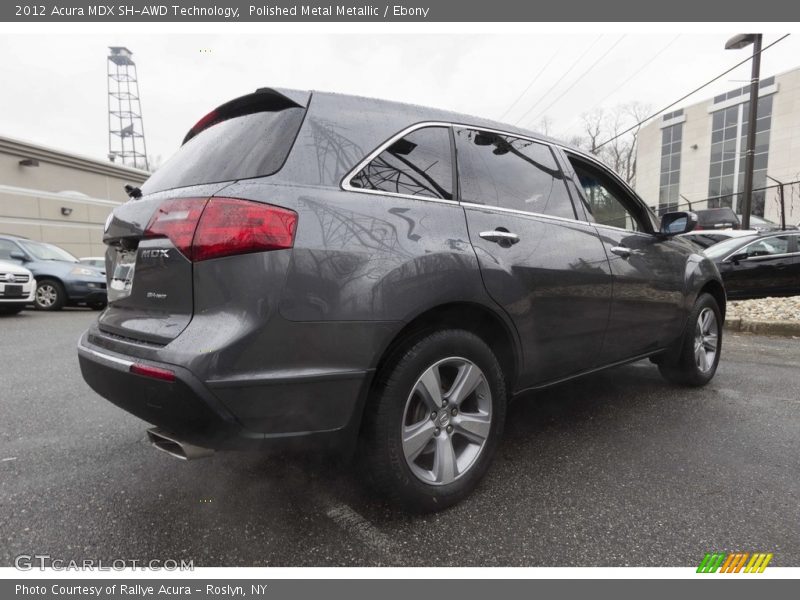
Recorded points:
(251, 145)
(420, 164)
(768, 246)
(607, 204)
(726, 247)
(510, 173)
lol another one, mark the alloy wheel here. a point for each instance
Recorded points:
(46, 295)
(446, 421)
(706, 340)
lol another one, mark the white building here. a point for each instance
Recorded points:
(694, 156)
(59, 197)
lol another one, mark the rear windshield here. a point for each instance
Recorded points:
(251, 145)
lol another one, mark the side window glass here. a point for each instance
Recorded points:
(419, 164)
(6, 248)
(509, 172)
(604, 202)
(768, 246)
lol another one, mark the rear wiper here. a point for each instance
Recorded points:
(132, 191)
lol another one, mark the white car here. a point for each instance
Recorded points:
(17, 287)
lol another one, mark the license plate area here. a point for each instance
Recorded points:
(121, 280)
(12, 291)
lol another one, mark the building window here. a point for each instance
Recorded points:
(728, 154)
(671, 138)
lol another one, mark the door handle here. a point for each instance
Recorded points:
(500, 237)
(621, 251)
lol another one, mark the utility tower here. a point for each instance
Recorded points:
(125, 125)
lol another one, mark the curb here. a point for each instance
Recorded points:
(783, 328)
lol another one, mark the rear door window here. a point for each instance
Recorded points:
(510, 172)
(419, 164)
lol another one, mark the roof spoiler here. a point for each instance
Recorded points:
(263, 99)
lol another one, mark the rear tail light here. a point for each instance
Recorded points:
(152, 372)
(177, 220)
(203, 229)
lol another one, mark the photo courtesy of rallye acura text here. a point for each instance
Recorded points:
(358, 277)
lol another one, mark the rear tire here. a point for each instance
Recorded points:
(695, 361)
(50, 295)
(434, 420)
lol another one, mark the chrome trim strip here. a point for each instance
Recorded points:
(345, 184)
(629, 231)
(111, 361)
(396, 195)
(524, 213)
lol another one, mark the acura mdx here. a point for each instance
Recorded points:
(338, 274)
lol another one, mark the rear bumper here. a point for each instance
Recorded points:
(300, 414)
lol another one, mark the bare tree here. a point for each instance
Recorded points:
(601, 125)
(544, 126)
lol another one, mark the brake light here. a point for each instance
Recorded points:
(231, 226)
(177, 220)
(152, 372)
(203, 229)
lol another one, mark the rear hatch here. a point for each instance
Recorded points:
(182, 216)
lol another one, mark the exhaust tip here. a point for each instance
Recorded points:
(168, 443)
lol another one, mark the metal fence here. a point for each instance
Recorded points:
(779, 203)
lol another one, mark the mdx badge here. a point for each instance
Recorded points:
(155, 253)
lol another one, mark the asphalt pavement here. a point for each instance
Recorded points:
(615, 469)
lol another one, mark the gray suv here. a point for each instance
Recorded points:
(340, 274)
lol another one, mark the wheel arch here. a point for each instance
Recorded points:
(55, 278)
(476, 318)
(717, 290)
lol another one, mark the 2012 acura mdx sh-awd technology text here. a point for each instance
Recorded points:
(342, 274)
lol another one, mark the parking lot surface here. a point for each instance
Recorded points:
(615, 469)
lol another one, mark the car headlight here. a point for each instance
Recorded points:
(84, 271)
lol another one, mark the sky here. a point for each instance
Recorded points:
(53, 87)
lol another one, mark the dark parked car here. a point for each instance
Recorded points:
(313, 271)
(760, 265)
(706, 238)
(717, 218)
(60, 279)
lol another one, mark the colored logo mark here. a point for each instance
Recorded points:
(734, 562)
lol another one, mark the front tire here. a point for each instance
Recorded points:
(50, 295)
(695, 362)
(434, 421)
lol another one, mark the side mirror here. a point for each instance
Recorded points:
(674, 223)
(17, 255)
(735, 258)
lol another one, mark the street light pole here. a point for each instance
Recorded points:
(736, 42)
